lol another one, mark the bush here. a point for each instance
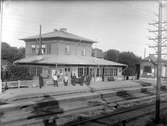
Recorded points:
(16, 73)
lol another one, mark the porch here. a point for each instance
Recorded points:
(77, 74)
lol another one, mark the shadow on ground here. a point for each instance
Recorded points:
(47, 109)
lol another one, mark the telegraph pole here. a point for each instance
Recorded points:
(40, 41)
(1, 19)
(159, 44)
(159, 67)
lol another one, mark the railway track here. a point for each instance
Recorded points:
(34, 113)
(122, 116)
(62, 110)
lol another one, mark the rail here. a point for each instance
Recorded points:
(50, 110)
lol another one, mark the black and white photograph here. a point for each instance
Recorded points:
(83, 63)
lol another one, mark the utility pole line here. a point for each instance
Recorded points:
(144, 52)
(1, 19)
(159, 44)
(38, 46)
(159, 68)
(40, 41)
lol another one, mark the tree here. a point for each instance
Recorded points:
(112, 55)
(18, 73)
(131, 60)
(13, 72)
(11, 54)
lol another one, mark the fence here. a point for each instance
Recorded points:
(25, 83)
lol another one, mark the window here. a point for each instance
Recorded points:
(33, 48)
(110, 72)
(83, 52)
(48, 48)
(86, 71)
(43, 49)
(98, 72)
(147, 69)
(67, 69)
(80, 72)
(115, 72)
(106, 71)
(67, 49)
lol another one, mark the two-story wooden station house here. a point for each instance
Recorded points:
(67, 54)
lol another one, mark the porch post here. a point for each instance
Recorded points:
(36, 71)
(94, 74)
(102, 73)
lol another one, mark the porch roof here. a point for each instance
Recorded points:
(66, 60)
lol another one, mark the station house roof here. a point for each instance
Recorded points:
(66, 60)
(59, 34)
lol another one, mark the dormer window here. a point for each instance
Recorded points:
(67, 49)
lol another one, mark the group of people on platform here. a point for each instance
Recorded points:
(84, 79)
(81, 80)
(55, 78)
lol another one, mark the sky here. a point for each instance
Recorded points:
(121, 25)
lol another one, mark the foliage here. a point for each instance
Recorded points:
(16, 73)
(112, 55)
(127, 58)
(12, 71)
(11, 54)
(131, 60)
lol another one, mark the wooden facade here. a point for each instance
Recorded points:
(64, 53)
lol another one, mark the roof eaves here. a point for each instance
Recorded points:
(49, 38)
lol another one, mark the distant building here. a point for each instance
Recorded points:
(67, 54)
(98, 53)
(148, 67)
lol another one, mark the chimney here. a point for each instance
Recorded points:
(63, 29)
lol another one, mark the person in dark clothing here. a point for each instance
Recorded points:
(40, 81)
(6, 86)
